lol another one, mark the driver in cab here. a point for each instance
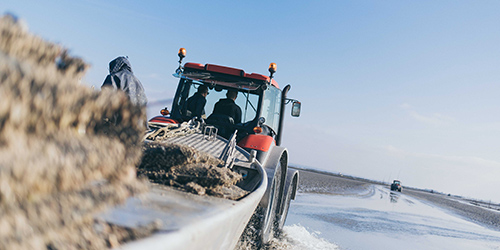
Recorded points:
(228, 107)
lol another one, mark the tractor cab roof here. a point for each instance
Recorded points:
(214, 75)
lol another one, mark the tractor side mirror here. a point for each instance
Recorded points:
(296, 109)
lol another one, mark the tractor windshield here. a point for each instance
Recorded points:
(248, 102)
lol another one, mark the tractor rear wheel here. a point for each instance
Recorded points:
(280, 220)
(268, 220)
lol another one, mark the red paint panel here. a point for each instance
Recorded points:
(257, 76)
(262, 78)
(161, 119)
(274, 83)
(257, 142)
(194, 66)
(224, 70)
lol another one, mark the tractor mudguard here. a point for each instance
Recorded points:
(257, 142)
(163, 119)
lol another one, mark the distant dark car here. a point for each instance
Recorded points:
(396, 186)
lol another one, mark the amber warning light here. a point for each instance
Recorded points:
(182, 53)
(257, 130)
(164, 111)
(272, 68)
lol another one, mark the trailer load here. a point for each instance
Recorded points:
(61, 162)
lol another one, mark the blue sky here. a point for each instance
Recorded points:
(390, 89)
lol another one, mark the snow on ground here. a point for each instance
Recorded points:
(301, 239)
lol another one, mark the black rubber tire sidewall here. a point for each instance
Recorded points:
(267, 229)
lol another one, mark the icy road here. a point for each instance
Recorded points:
(366, 216)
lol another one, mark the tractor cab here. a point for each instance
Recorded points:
(259, 98)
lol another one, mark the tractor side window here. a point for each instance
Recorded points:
(271, 107)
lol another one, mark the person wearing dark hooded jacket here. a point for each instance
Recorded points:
(121, 77)
(196, 103)
(228, 107)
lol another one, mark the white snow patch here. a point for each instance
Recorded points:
(301, 239)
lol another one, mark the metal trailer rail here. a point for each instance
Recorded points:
(190, 221)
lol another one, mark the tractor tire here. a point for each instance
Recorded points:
(268, 220)
(288, 192)
(259, 230)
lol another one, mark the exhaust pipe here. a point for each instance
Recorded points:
(282, 113)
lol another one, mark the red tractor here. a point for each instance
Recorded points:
(259, 132)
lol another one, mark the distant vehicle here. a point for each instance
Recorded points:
(396, 186)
